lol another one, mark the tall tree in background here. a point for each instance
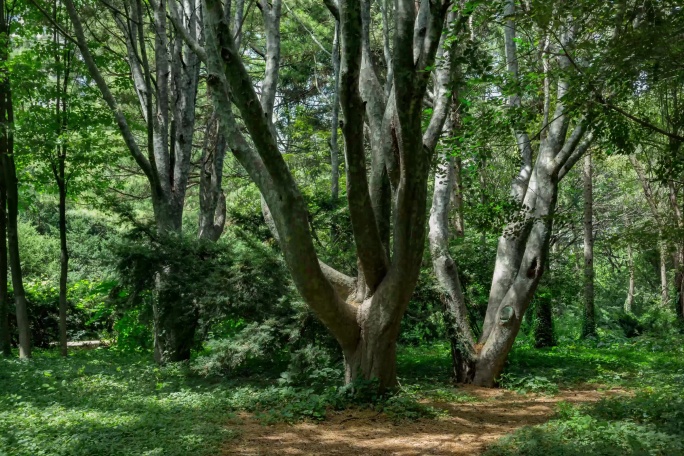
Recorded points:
(11, 185)
(589, 321)
(165, 75)
(5, 337)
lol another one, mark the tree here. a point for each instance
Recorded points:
(366, 329)
(589, 322)
(523, 247)
(11, 185)
(165, 76)
(5, 336)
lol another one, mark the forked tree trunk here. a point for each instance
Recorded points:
(5, 337)
(523, 246)
(366, 331)
(589, 322)
(165, 81)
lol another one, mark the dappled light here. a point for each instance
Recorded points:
(341, 227)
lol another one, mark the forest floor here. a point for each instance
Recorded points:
(604, 398)
(462, 428)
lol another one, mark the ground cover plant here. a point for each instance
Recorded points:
(101, 401)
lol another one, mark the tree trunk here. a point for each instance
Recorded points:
(543, 322)
(589, 322)
(459, 333)
(12, 191)
(212, 217)
(64, 261)
(447, 179)
(629, 301)
(679, 283)
(5, 337)
(20, 302)
(457, 198)
(334, 147)
(679, 253)
(664, 295)
(523, 247)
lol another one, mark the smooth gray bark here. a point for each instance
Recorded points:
(334, 124)
(523, 247)
(456, 314)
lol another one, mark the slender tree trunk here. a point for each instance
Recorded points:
(679, 283)
(457, 198)
(334, 147)
(20, 302)
(679, 252)
(12, 191)
(589, 323)
(663, 250)
(64, 262)
(629, 301)
(5, 339)
(459, 333)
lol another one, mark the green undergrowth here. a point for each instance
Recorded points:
(647, 420)
(103, 402)
(626, 363)
(99, 403)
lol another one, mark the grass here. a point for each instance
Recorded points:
(100, 402)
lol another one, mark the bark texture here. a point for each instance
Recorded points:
(629, 301)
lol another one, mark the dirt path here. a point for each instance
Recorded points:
(468, 429)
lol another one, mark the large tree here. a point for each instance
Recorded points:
(363, 313)
(523, 246)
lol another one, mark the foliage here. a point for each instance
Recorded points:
(98, 402)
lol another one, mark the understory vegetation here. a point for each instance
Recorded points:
(102, 401)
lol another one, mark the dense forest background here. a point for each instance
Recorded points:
(300, 190)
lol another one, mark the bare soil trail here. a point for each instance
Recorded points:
(467, 430)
